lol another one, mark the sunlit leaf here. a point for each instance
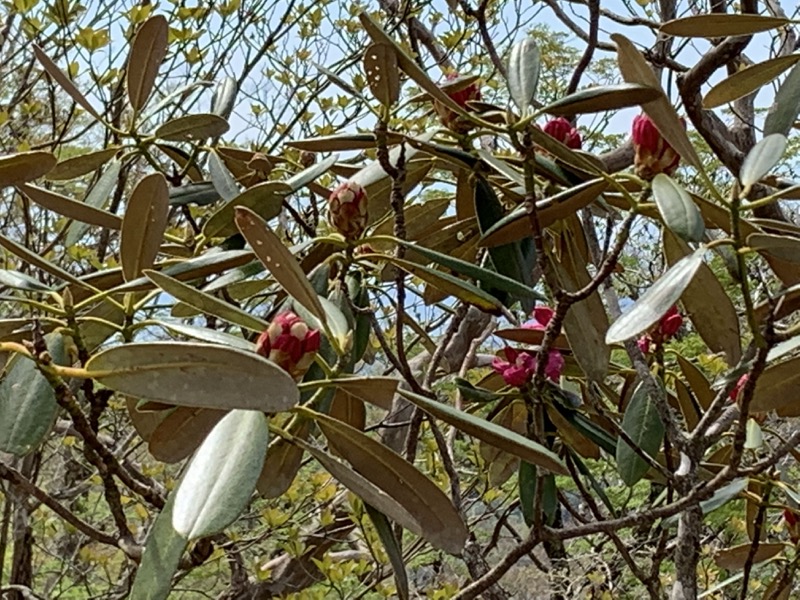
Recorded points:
(82, 164)
(25, 166)
(192, 128)
(523, 73)
(748, 80)
(761, 159)
(677, 209)
(721, 25)
(144, 225)
(603, 98)
(383, 73)
(147, 52)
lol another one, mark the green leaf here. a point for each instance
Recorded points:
(220, 480)
(383, 528)
(736, 557)
(776, 389)
(202, 194)
(343, 142)
(782, 247)
(147, 52)
(160, 559)
(221, 178)
(64, 81)
(657, 300)
(224, 98)
(645, 429)
(721, 25)
(144, 225)
(488, 432)
(528, 482)
(25, 166)
(193, 128)
(720, 498)
(786, 105)
(21, 281)
(502, 167)
(28, 406)
(98, 197)
(710, 309)
(34, 259)
(279, 261)
(761, 159)
(206, 302)
(79, 211)
(603, 98)
(524, 63)
(383, 73)
(264, 199)
(748, 80)
(213, 336)
(635, 69)
(306, 176)
(81, 165)
(441, 524)
(195, 374)
(677, 209)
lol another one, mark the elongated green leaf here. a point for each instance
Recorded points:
(603, 98)
(748, 80)
(441, 524)
(160, 559)
(383, 73)
(782, 247)
(81, 165)
(147, 52)
(264, 199)
(206, 302)
(65, 82)
(502, 167)
(720, 498)
(28, 406)
(195, 374)
(721, 25)
(761, 159)
(343, 142)
(488, 432)
(524, 63)
(21, 281)
(220, 480)
(278, 260)
(202, 194)
(98, 197)
(209, 335)
(786, 105)
(71, 209)
(37, 261)
(635, 69)
(383, 527)
(223, 180)
(193, 128)
(144, 225)
(657, 300)
(776, 389)
(677, 209)
(25, 166)
(224, 98)
(645, 429)
(306, 176)
(283, 460)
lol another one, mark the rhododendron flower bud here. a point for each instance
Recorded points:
(667, 327)
(792, 525)
(450, 119)
(289, 343)
(347, 210)
(653, 154)
(734, 393)
(562, 130)
(519, 367)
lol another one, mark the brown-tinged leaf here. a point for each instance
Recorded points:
(721, 25)
(441, 524)
(465, 195)
(181, 158)
(182, 432)
(751, 508)
(147, 52)
(383, 73)
(782, 247)
(710, 309)
(25, 166)
(698, 383)
(734, 558)
(603, 98)
(81, 165)
(748, 80)
(571, 436)
(531, 336)
(278, 260)
(343, 142)
(526, 449)
(513, 417)
(283, 461)
(64, 81)
(778, 589)
(72, 209)
(144, 422)
(789, 301)
(144, 225)
(348, 409)
(378, 391)
(34, 259)
(686, 404)
(776, 389)
(634, 69)
(193, 128)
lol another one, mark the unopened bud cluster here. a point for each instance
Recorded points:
(451, 119)
(347, 210)
(290, 343)
(653, 155)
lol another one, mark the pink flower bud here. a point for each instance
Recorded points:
(644, 343)
(541, 318)
(737, 390)
(450, 119)
(653, 154)
(289, 343)
(562, 130)
(347, 210)
(670, 323)
(519, 367)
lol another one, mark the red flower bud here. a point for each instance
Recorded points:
(562, 130)
(667, 327)
(541, 318)
(347, 210)
(289, 343)
(653, 154)
(451, 119)
(520, 366)
(734, 393)
(792, 525)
